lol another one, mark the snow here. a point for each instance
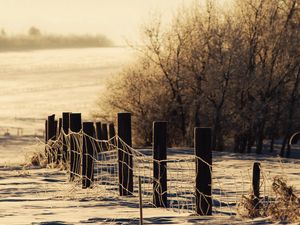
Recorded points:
(44, 196)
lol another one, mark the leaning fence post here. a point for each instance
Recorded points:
(87, 154)
(203, 153)
(160, 164)
(125, 155)
(256, 184)
(65, 127)
(75, 126)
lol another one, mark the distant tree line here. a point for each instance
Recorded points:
(34, 39)
(236, 70)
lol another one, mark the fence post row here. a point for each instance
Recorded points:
(159, 166)
(256, 184)
(203, 151)
(124, 155)
(87, 154)
(65, 127)
(75, 126)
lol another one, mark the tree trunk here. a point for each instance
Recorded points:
(282, 150)
(260, 138)
(236, 143)
(217, 139)
(288, 152)
(250, 140)
(272, 144)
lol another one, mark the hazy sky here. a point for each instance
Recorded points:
(117, 19)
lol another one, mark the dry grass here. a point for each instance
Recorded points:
(284, 206)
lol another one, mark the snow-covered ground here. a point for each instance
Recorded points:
(44, 196)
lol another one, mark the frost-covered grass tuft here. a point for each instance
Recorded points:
(284, 206)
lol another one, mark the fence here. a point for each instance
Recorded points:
(97, 158)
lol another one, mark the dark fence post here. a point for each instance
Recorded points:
(51, 135)
(51, 127)
(55, 152)
(160, 164)
(59, 126)
(75, 126)
(203, 153)
(46, 137)
(104, 133)
(98, 130)
(87, 154)
(99, 136)
(125, 155)
(112, 132)
(65, 127)
(256, 184)
(46, 131)
(59, 153)
(56, 127)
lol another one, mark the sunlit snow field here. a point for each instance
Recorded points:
(37, 83)
(34, 84)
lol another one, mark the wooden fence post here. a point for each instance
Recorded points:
(87, 154)
(160, 164)
(75, 126)
(125, 155)
(59, 126)
(99, 136)
(104, 133)
(256, 184)
(59, 153)
(51, 135)
(203, 151)
(51, 127)
(56, 127)
(46, 137)
(65, 127)
(112, 133)
(98, 130)
(46, 131)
